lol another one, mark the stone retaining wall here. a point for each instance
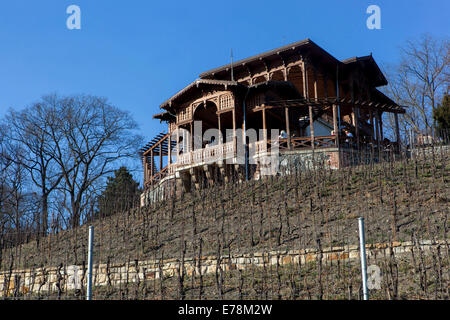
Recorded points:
(53, 279)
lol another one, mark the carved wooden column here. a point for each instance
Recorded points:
(234, 123)
(315, 84)
(311, 126)
(335, 124)
(220, 129)
(305, 82)
(178, 143)
(160, 157)
(372, 129)
(234, 130)
(169, 148)
(355, 112)
(288, 128)
(151, 166)
(191, 136)
(264, 124)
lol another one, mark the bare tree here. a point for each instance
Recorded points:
(68, 144)
(420, 81)
(4, 164)
(20, 202)
(28, 138)
(17, 201)
(96, 136)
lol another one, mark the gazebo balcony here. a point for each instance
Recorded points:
(228, 150)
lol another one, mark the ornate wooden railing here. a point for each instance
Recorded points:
(298, 143)
(159, 176)
(228, 150)
(258, 147)
(325, 142)
(208, 154)
(184, 158)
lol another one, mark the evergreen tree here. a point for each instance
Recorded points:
(121, 193)
(441, 116)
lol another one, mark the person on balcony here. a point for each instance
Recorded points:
(283, 135)
(211, 142)
(180, 145)
(349, 136)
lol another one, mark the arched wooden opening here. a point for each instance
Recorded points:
(207, 114)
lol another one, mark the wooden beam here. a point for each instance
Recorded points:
(335, 124)
(355, 112)
(311, 126)
(144, 165)
(264, 123)
(191, 137)
(315, 84)
(154, 143)
(220, 129)
(178, 142)
(305, 82)
(288, 129)
(234, 123)
(160, 158)
(151, 164)
(169, 149)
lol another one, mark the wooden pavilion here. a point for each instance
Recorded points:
(299, 88)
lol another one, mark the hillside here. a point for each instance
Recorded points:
(407, 200)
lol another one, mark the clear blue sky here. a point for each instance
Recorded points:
(139, 53)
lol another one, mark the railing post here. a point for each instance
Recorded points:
(89, 275)
(362, 250)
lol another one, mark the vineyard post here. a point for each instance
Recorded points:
(89, 276)
(362, 248)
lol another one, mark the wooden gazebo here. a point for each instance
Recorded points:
(298, 88)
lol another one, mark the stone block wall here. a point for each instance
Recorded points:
(64, 278)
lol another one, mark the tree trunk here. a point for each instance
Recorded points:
(44, 217)
(75, 214)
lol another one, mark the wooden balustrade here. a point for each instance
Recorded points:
(208, 154)
(303, 143)
(228, 150)
(184, 158)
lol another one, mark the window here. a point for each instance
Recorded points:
(226, 101)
